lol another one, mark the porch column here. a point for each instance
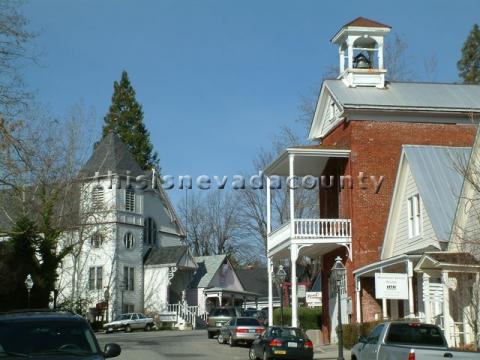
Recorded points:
(293, 258)
(270, 292)
(426, 298)
(411, 303)
(358, 289)
(291, 184)
(220, 299)
(446, 307)
(384, 305)
(269, 211)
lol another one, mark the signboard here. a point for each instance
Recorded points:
(168, 317)
(391, 286)
(314, 298)
(301, 291)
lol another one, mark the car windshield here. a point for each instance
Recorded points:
(60, 337)
(287, 332)
(223, 312)
(123, 317)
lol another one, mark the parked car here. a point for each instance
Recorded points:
(50, 335)
(260, 315)
(402, 340)
(129, 322)
(240, 329)
(281, 342)
(220, 316)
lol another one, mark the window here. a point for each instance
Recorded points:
(97, 197)
(128, 308)
(375, 334)
(414, 216)
(129, 200)
(95, 278)
(150, 232)
(128, 278)
(129, 240)
(96, 240)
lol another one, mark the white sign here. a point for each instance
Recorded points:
(168, 317)
(391, 286)
(314, 298)
(301, 291)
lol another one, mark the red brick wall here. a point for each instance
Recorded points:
(375, 150)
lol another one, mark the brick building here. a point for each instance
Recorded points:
(360, 124)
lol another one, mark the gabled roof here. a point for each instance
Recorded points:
(254, 280)
(207, 268)
(439, 182)
(111, 154)
(170, 255)
(364, 22)
(453, 261)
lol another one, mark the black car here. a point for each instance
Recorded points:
(282, 342)
(50, 335)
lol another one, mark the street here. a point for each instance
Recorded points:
(168, 345)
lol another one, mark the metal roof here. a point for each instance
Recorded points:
(165, 255)
(439, 182)
(408, 96)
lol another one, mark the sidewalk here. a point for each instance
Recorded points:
(329, 352)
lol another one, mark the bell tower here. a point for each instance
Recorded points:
(360, 51)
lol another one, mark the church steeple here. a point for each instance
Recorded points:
(360, 50)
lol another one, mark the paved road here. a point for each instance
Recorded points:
(171, 345)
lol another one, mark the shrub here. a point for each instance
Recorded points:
(351, 332)
(308, 318)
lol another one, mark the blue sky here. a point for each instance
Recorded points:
(217, 78)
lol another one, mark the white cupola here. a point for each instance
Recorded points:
(360, 51)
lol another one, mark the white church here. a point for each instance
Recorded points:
(128, 247)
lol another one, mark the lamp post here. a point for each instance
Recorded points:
(280, 279)
(106, 296)
(55, 293)
(29, 285)
(338, 271)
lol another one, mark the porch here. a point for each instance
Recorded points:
(311, 237)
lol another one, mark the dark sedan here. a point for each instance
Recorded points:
(282, 343)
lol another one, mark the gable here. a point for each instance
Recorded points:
(226, 278)
(328, 114)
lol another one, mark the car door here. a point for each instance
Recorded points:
(135, 322)
(142, 321)
(370, 350)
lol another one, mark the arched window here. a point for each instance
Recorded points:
(150, 232)
(129, 240)
(96, 240)
(97, 197)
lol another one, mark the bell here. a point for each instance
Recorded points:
(361, 62)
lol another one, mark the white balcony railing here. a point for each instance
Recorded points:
(311, 229)
(322, 228)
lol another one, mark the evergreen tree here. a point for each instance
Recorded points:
(125, 118)
(469, 64)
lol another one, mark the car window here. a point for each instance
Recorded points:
(247, 322)
(134, 317)
(141, 316)
(375, 334)
(46, 336)
(222, 312)
(415, 334)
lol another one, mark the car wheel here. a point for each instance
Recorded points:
(128, 329)
(231, 342)
(148, 327)
(220, 339)
(251, 354)
(210, 335)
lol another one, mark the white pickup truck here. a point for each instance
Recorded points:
(129, 322)
(406, 341)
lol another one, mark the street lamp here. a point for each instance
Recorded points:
(280, 279)
(29, 285)
(338, 272)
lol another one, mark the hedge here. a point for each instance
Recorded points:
(351, 332)
(308, 318)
